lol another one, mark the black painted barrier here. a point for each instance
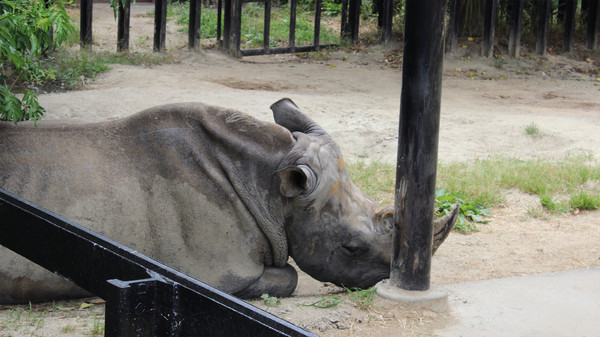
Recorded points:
(143, 297)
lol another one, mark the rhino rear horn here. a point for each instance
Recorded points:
(442, 227)
(287, 114)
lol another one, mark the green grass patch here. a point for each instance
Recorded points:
(478, 185)
(70, 69)
(325, 302)
(532, 129)
(585, 201)
(363, 298)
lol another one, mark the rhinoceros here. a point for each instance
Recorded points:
(211, 192)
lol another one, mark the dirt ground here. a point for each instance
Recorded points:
(355, 95)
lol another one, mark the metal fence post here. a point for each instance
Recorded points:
(195, 23)
(593, 27)
(541, 44)
(516, 24)
(160, 24)
(85, 23)
(453, 26)
(124, 14)
(388, 16)
(489, 26)
(418, 144)
(569, 25)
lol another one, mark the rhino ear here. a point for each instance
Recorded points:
(295, 180)
(287, 114)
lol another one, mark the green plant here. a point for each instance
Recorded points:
(25, 35)
(498, 61)
(270, 301)
(363, 298)
(71, 69)
(585, 201)
(325, 302)
(470, 213)
(551, 205)
(98, 327)
(532, 129)
(331, 8)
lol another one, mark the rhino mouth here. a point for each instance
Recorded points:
(363, 284)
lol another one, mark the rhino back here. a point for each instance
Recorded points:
(159, 181)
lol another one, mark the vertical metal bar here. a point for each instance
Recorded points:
(388, 15)
(351, 22)
(227, 25)
(267, 26)
(124, 14)
(219, 10)
(378, 8)
(160, 24)
(541, 43)
(354, 19)
(418, 144)
(593, 24)
(293, 24)
(516, 24)
(489, 26)
(344, 27)
(569, 22)
(85, 23)
(195, 23)
(236, 28)
(453, 26)
(317, 35)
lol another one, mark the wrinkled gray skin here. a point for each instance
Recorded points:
(214, 193)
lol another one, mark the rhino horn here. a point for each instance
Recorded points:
(442, 227)
(287, 114)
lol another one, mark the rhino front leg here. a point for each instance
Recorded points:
(277, 282)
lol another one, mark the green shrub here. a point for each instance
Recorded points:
(28, 28)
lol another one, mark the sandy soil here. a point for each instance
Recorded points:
(355, 95)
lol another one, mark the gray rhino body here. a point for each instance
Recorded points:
(214, 193)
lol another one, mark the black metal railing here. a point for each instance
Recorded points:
(143, 297)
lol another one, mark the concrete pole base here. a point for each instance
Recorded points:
(436, 298)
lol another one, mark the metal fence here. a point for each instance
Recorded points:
(143, 297)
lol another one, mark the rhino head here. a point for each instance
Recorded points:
(335, 232)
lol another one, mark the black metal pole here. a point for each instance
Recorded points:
(516, 24)
(388, 18)
(235, 39)
(195, 23)
(85, 23)
(542, 29)
(489, 26)
(418, 144)
(569, 28)
(123, 25)
(317, 34)
(267, 26)
(293, 4)
(593, 22)
(453, 26)
(160, 24)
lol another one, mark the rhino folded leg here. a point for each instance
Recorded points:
(442, 227)
(278, 282)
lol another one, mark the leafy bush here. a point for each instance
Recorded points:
(28, 28)
(470, 213)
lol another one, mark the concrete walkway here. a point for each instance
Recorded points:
(557, 304)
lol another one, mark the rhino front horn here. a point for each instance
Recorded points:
(442, 227)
